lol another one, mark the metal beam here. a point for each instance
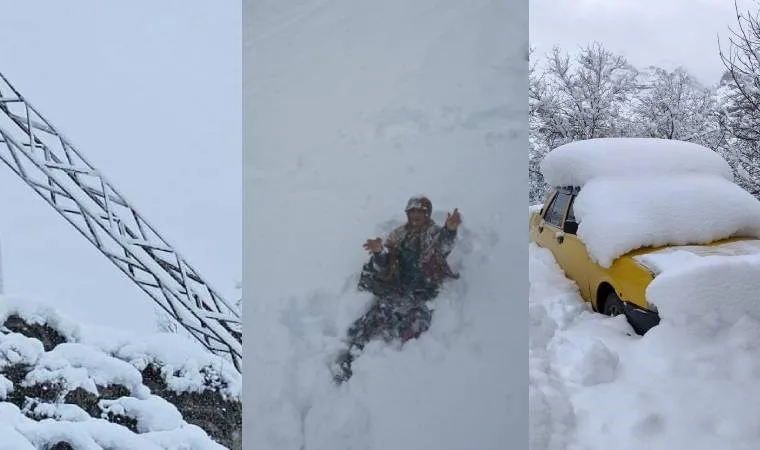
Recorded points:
(46, 161)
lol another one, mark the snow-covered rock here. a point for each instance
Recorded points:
(66, 386)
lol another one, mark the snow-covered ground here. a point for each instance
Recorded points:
(353, 107)
(690, 383)
(94, 388)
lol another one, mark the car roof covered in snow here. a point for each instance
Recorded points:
(579, 162)
(617, 215)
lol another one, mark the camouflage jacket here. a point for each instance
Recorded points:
(416, 259)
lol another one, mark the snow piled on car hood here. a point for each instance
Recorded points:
(711, 294)
(678, 256)
(618, 215)
(577, 163)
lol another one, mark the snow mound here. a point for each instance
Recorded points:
(577, 163)
(710, 295)
(586, 361)
(551, 414)
(623, 214)
(661, 394)
(65, 386)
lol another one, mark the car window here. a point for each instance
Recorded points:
(556, 211)
(549, 205)
(571, 213)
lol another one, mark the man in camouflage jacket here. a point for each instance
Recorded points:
(403, 274)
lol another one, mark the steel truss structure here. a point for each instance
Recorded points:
(37, 152)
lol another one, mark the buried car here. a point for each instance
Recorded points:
(621, 211)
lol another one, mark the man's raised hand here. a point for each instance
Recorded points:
(374, 245)
(453, 220)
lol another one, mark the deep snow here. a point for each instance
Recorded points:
(351, 108)
(689, 383)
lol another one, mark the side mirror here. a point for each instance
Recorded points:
(570, 227)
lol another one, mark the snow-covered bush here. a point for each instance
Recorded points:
(63, 386)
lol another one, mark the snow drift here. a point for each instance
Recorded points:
(691, 382)
(576, 163)
(617, 215)
(710, 294)
(66, 386)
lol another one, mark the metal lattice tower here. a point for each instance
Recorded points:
(49, 164)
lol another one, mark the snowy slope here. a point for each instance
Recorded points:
(66, 386)
(353, 107)
(689, 383)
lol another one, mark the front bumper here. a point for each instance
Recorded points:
(642, 320)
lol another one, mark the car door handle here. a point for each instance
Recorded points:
(560, 238)
(541, 228)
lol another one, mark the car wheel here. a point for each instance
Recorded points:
(613, 306)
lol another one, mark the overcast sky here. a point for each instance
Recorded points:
(668, 33)
(150, 92)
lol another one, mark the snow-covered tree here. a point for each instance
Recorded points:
(595, 93)
(573, 98)
(739, 98)
(585, 98)
(674, 105)
(538, 148)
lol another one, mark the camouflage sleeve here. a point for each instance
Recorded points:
(394, 237)
(380, 260)
(446, 240)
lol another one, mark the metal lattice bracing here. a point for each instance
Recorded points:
(49, 164)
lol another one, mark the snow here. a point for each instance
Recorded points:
(57, 411)
(676, 257)
(18, 349)
(37, 313)
(709, 295)
(13, 440)
(579, 162)
(186, 368)
(346, 121)
(82, 366)
(94, 358)
(152, 413)
(691, 382)
(6, 386)
(187, 437)
(617, 215)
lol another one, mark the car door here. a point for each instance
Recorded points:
(550, 226)
(575, 259)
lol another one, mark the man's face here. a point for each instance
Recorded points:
(417, 217)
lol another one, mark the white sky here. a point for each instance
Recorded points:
(149, 92)
(668, 33)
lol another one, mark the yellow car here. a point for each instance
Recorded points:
(621, 287)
